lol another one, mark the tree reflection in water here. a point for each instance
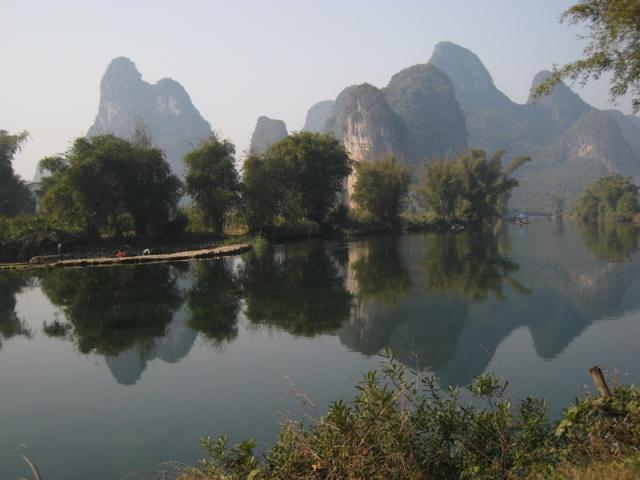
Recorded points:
(297, 288)
(214, 301)
(469, 265)
(379, 272)
(114, 308)
(612, 242)
(11, 326)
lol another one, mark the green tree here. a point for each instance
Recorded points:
(613, 47)
(470, 189)
(380, 188)
(612, 198)
(107, 185)
(260, 191)
(298, 178)
(212, 180)
(15, 196)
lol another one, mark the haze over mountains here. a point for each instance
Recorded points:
(428, 110)
(267, 132)
(164, 108)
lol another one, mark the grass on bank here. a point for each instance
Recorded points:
(400, 426)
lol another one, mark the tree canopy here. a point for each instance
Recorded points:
(212, 180)
(613, 47)
(297, 178)
(612, 198)
(469, 189)
(15, 196)
(107, 185)
(380, 188)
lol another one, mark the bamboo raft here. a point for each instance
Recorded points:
(162, 257)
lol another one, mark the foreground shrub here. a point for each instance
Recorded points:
(402, 426)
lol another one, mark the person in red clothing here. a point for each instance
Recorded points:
(120, 254)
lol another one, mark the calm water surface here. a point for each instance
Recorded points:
(150, 358)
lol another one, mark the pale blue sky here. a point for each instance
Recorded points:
(242, 59)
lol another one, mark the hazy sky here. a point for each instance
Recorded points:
(241, 59)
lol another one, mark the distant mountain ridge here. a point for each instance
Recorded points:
(571, 142)
(451, 103)
(164, 108)
(435, 109)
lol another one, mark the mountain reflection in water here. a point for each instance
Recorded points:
(443, 302)
(117, 369)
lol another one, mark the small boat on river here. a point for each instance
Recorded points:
(522, 219)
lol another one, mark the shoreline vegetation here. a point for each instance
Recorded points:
(403, 425)
(108, 193)
(107, 190)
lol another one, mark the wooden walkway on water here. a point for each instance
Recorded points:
(161, 257)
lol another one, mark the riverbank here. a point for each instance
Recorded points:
(221, 251)
(407, 428)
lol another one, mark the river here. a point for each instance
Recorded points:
(108, 372)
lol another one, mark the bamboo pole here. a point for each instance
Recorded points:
(599, 380)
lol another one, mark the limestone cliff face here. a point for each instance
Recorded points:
(267, 132)
(363, 120)
(597, 136)
(318, 115)
(424, 98)
(416, 117)
(164, 108)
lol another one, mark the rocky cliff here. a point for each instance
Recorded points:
(416, 117)
(364, 122)
(267, 132)
(318, 115)
(424, 99)
(164, 109)
(571, 142)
